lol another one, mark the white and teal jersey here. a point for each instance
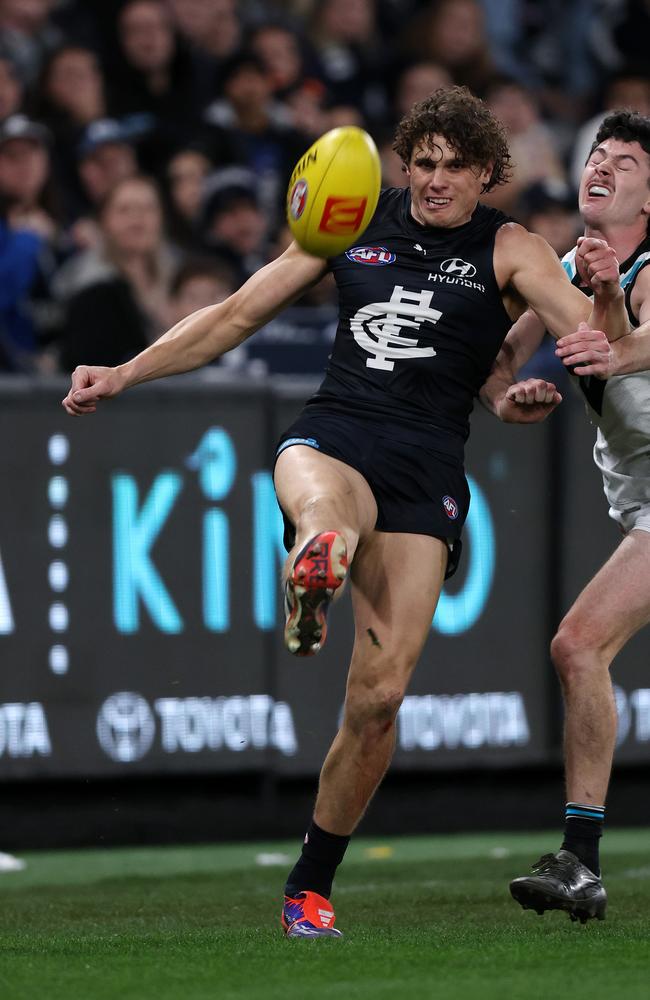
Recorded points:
(620, 407)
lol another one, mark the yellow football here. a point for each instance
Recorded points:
(333, 191)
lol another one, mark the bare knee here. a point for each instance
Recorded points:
(578, 652)
(325, 512)
(371, 708)
(371, 713)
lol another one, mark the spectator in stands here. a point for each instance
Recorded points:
(351, 53)
(71, 96)
(106, 155)
(233, 222)
(548, 208)
(630, 31)
(282, 53)
(392, 167)
(26, 185)
(306, 105)
(154, 75)
(11, 88)
(20, 252)
(72, 90)
(452, 33)
(549, 48)
(28, 35)
(198, 282)
(184, 182)
(213, 27)
(247, 127)
(116, 295)
(354, 59)
(532, 146)
(417, 81)
(628, 89)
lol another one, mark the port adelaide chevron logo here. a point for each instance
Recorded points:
(375, 256)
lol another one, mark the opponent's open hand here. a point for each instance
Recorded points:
(597, 266)
(90, 383)
(589, 351)
(528, 402)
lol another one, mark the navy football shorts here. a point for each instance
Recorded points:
(417, 479)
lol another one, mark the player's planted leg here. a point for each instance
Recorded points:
(392, 618)
(613, 606)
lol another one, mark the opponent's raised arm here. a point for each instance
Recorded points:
(526, 263)
(205, 334)
(592, 354)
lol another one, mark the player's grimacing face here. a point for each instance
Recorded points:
(615, 184)
(444, 189)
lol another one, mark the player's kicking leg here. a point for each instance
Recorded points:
(331, 506)
(613, 606)
(396, 580)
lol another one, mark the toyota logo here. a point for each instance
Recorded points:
(125, 727)
(456, 265)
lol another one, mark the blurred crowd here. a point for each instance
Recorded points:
(146, 145)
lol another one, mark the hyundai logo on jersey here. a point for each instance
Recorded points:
(451, 507)
(455, 265)
(376, 256)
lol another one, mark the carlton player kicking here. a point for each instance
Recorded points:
(370, 478)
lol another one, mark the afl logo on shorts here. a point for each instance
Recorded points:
(375, 256)
(298, 199)
(455, 265)
(451, 507)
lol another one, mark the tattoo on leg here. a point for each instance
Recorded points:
(373, 636)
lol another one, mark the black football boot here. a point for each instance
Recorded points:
(561, 882)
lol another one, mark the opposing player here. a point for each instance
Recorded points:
(370, 478)
(614, 201)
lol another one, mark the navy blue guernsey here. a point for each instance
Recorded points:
(421, 319)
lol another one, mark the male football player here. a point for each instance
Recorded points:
(614, 202)
(370, 478)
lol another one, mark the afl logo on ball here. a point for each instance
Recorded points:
(451, 507)
(375, 256)
(298, 199)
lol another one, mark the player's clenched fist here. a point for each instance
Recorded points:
(597, 266)
(89, 385)
(528, 402)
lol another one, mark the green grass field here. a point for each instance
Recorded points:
(423, 917)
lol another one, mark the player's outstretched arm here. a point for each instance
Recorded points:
(526, 264)
(203, 336)
(592, 354)
(524, 402)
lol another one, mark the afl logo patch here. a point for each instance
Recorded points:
(455, 265)
(298, 199)
(451, 507)
(375, 256)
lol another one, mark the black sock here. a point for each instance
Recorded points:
(322, 853)
(583, 828)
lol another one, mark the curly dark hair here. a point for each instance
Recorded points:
(628, 126)
(466, 123)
